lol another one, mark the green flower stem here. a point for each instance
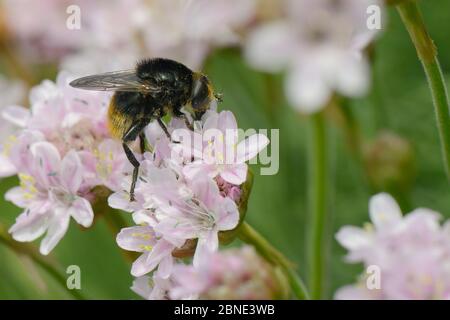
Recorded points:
(427, 52)
(318, 208)
(43, 261)
(351, 130)
(272, 255)
(17, 67)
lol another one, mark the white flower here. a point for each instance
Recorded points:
(411, 252)
(319, 42)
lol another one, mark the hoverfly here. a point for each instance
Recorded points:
(155, 87)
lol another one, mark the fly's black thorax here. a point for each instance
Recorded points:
(174, 79)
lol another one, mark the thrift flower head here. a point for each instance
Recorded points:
(236, 274)
(185, 30)
(319, 42)
(174, 211)
(411, 251)
(183, 202)
(38, 41)
(61, 151)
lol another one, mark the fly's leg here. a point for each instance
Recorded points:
(136, 165)
(129, 136)
(142, 142)
(166, 131)
(163, 126)
(186, 121)
(177, 113)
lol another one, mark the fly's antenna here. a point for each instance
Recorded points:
(219, 96)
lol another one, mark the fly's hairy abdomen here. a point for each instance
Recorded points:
(126, 109)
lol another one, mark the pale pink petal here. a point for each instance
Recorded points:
(189, 144)
(307, 90)
(17, 195)
(352, 77)
(206, 245)
(384, 210)
(271, 47)
(164, 178)
(139, 239)
(189, 281)
(422, 221)
(120, 200)
(227, 215)
(198, 167)
(235, 174)
(81, 211)
(57, 228)
(165, 267)
(140, 265)
(47, 162)
(250, 147)
(154, 132)
(71, 175)
(20, 154)
(160, 252)
(143, 217)
(353, 292)
(227, 121)
(29, 226)
(212, 121)
(206, 191)
(174, 232)
(142, 287)
(16, 115)
(353, 238)
(46, 90)
(7, 168)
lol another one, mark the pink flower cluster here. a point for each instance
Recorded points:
(411, 252)
(97, 19)
(60, 153)
(182, 196)
(234, 274)
(183, 30)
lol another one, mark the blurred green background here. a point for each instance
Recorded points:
(399, 101)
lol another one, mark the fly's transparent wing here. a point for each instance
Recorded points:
(125, 80)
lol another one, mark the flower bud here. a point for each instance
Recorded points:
(226, 237)
(389, 160)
